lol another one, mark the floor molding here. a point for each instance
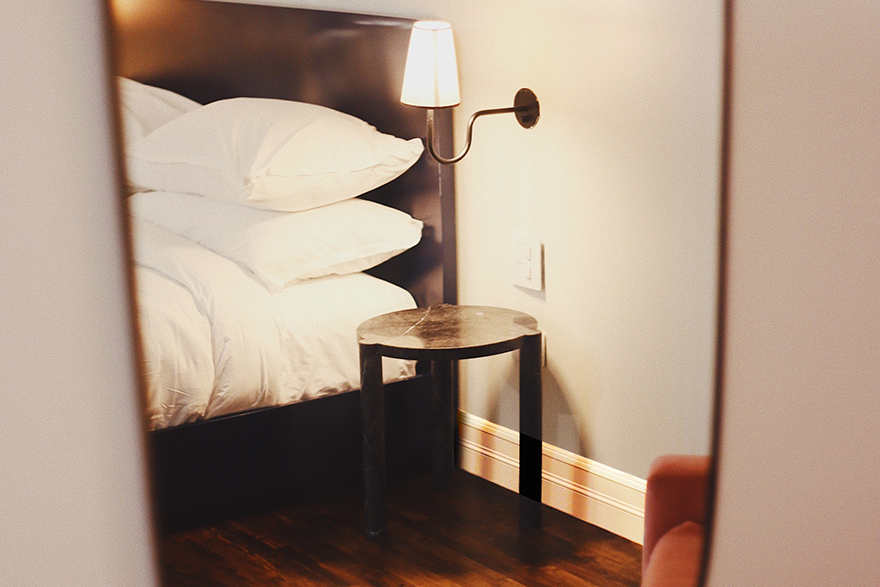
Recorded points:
(585, 489)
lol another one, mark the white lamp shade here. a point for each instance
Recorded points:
(431, 76)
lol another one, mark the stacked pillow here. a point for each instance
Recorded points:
(145, 108)
(267, 183)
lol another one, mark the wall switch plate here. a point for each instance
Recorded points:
(527, 261)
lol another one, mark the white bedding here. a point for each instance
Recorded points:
(215, 341)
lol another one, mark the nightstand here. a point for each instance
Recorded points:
(443, 334)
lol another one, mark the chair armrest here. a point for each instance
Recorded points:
(676, 493)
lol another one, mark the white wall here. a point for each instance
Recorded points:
(73, 503)
(620, 181)
(798, 496)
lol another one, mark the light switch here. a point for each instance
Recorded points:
(527, 261)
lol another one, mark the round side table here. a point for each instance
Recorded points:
(443, 334)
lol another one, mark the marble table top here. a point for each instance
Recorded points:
(481, 329)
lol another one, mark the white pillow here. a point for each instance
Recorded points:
(146, 108)
(281, 248)
(271, 154)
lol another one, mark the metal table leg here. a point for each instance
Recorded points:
(373, 423)
(444, 423)
(530, 431)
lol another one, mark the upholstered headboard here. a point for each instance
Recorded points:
(350, 62)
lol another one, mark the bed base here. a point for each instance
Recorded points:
(206, 469)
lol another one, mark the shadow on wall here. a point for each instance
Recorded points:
(561, 426)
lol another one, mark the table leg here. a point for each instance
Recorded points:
(530, 431)
(373, 425)
(444, 423)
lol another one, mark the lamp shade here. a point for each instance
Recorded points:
(431, 76)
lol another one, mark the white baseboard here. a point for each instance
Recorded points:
(585, 489)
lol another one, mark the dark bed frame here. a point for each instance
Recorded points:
(352, 63)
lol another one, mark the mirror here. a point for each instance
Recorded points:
(619, 183)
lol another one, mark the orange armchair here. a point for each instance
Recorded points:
(675, 521)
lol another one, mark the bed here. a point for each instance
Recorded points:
(263, 397)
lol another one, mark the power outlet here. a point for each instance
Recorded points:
(527, 261)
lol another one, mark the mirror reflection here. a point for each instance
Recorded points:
(279, 196)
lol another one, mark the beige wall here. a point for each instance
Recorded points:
(620, 182)
(73, 504)
(798, 497)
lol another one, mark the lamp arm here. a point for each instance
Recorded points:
(525, 106)
(469, 137)
(470, 133)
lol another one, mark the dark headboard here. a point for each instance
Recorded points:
(350, 62)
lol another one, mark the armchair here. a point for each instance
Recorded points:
(675, 521)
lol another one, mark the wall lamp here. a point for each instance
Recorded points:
(431, 81)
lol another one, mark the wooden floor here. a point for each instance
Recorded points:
(466, 536)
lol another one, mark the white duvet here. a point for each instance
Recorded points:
(215, 341)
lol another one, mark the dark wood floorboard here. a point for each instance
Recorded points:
(466, 536)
